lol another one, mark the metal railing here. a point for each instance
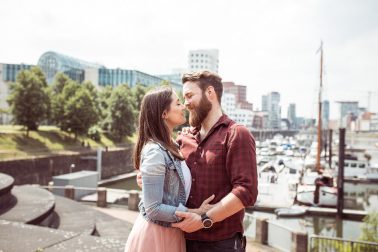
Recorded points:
(332, 244)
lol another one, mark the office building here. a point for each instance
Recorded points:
(199, 60)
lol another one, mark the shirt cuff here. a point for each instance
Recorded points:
(243, 194)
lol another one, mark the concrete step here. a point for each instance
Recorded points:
(80, 218)
(29, 204)
(70, 215)
(15, 237)
(6, 185)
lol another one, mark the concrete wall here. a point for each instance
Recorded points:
(41, 170)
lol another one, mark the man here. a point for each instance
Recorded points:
(222, 159)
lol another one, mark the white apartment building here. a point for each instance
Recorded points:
(199, 60)
(241, 116)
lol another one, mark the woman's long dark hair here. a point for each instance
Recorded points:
(152, 125)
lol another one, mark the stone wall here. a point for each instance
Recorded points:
(40, 170)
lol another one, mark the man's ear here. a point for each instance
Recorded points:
(210, 92)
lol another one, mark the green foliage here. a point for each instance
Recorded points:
(104, 97)
(57, 98)
(94, 133)
(28, 100)
(79, 110)
(74, 106)
(370, 227)
(121, 113)
(139, 91)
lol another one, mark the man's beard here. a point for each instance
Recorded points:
(198, 113)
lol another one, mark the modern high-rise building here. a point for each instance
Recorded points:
(349, 112)
(271, 104)
(264, 103)
(347, 108)
(240, 93)
(292, 116)
(325, 113)
(199, 60)
(239, 115)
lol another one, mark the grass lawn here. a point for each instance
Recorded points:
(47, 140)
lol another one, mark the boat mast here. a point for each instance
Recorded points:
(318, 167)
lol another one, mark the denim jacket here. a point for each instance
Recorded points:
(163, 190)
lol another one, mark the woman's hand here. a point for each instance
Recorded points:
(139, 179)
(205, 206)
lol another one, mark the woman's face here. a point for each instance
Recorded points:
(175, 116)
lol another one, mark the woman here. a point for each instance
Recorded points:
(165, 176)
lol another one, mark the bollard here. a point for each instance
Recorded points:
(69, 192)
(101, 197)
(133, 200)
(50, 186)
(299, 242)
(262, 230)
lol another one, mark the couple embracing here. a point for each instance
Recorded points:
(195, 188)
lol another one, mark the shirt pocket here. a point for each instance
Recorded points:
(215, 156)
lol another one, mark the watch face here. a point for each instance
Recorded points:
(207, 223)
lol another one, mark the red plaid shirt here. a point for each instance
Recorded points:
(223, 162)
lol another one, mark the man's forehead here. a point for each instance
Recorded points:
(190, 87)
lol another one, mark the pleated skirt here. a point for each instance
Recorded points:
(147, 237)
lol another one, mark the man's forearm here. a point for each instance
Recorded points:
(228, 206)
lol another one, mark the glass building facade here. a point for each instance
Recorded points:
(115, 77)
(51, 63)
(10, 71)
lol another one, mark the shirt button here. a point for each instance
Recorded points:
(193, 180)
(191, 196)
(195, 162)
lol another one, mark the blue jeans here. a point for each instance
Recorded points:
(235, 244)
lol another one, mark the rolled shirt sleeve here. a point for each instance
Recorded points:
(241, 165)
(153, 176)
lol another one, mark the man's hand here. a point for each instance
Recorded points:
(191, 223)
(139, 179)
(184, 131)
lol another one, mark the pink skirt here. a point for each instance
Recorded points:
(147, 236)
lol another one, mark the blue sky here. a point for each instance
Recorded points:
(266, 45)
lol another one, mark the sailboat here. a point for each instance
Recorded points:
(318, 188)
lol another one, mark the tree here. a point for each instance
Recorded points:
(104, 97)
(57, 98)
(28, 99)
(79, 109)
(139, 92)
(370, 227)
(121, 114)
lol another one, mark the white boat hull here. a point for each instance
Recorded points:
(327, 195)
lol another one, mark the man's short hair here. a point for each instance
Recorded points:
(204, 79)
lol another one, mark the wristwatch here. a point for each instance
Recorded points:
(206, 221)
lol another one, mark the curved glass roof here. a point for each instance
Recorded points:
(51, 63)
(68, 61)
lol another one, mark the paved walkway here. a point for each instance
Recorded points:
(130, 216)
